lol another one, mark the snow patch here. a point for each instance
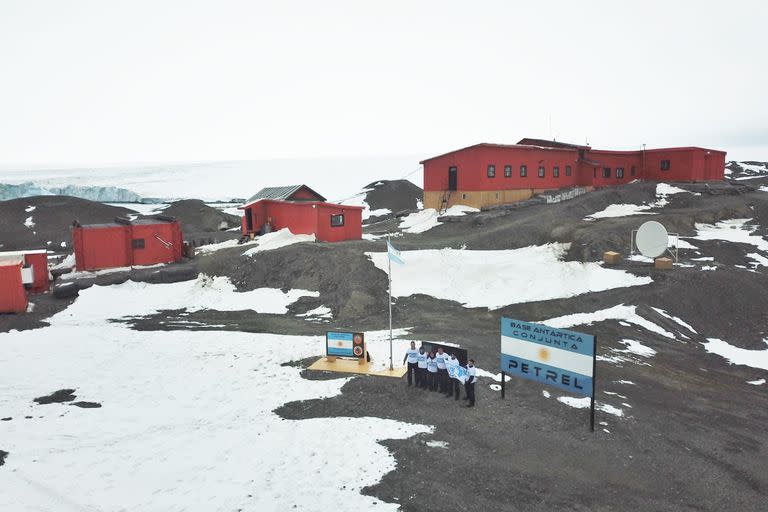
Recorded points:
(424, 220)
(30, 209)
(739, 356)
(583, 403)
(463, 276)
(227, 244)
(675, 319)
(438, 444)
(29, 222)
(620, 210)
(758, 382)
(277, 239)
(215, 293)
(635, 347)
(733, 230)
(67, 262)
(618, 312)
(420, 221)
(323, 312)
(663, 191)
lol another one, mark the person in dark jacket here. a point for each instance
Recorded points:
(469, 385)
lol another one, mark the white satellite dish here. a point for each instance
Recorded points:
(652, 239)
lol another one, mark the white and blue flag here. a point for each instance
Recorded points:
(458, 372)
(394, 255)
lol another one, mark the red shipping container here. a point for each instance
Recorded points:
(142, 242)
(13, 297)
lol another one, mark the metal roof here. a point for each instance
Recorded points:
(551, 144)
(7, 261)
(280, 193)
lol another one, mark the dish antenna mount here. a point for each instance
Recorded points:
(652, 240)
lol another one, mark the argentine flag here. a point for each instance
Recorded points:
(394, 254)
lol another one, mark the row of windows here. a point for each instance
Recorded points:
(524, 171)
(619, 172)
(556, 170)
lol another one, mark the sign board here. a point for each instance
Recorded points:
(461, 353)
(556, 357)
(345, 344)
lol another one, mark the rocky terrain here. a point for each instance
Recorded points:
(680, 426)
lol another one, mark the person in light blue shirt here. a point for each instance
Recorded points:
(432, 371)
(421, 369)
(411, 356)
(453, 384)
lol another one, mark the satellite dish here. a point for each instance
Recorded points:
(652, 239)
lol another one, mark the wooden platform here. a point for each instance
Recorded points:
(352, 366)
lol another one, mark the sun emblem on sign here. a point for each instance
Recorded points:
(544, 354)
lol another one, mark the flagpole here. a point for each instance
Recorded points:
(389, 261)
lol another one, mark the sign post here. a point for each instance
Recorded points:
(389, 274)
(557, 357)
(594, 378)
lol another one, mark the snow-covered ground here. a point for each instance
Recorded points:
(424, 220)
(186, 421)
(143, 209)
(519, 275)
(736, 355)
(277, 239)
(620, 312)
(732, 230)
(663, 191)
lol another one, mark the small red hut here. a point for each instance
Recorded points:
(13, 296)
(126, 243)
(303, 211)
(35, 264)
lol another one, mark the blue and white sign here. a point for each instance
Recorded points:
(557, 357)
(340, 344)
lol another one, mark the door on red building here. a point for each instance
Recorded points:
(452, 178)
(248, 220)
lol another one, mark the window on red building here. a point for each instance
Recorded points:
(567, 170)
(541, 171)
(491, 171)
(337, 220)
(619, 172)
(556, 172)
(523, 171)
(606, 172)
(665, 165)
(632, 170)
(507, 171)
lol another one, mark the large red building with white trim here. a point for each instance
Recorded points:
(487, 174)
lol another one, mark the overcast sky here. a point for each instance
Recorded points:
(185, 80)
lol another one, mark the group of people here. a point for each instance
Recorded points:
(432, 371)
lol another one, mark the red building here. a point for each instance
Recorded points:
(487, 174)
(13, 296)
(125, 243)
(35, 263)
(303, 211)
